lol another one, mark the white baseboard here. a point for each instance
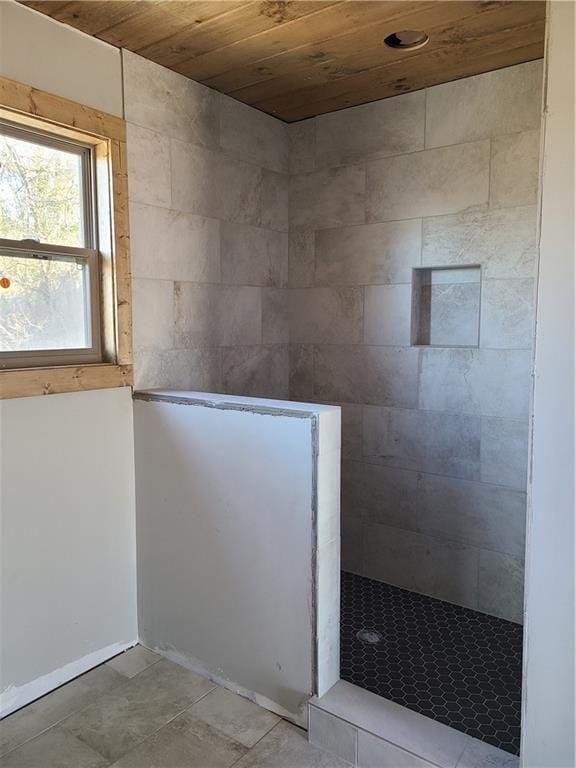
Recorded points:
(14, 697)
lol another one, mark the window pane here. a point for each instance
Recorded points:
(40, 193)
(45, 304)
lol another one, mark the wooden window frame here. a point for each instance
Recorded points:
(106, 134)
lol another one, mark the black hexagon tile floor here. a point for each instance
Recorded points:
(455, 665)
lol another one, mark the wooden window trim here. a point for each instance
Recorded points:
(24, 105)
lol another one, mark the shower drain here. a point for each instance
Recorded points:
(369, 636)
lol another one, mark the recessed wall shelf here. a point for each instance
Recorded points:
(446, 306)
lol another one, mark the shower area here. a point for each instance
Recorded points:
(381, 258)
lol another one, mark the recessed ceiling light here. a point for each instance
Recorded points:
(406, 40)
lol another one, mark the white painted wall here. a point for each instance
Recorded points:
(549, 712)
(66, 468)
(228, 490)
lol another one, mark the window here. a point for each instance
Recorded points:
(49, 264)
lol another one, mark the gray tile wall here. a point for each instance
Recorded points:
(434, 439)
(208, 188)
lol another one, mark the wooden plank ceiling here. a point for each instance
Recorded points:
(299, 58)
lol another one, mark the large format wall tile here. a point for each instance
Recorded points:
(372, 375)
(260, 371)
(214, 185)
(148, 166)
(252, 135)
(387, 315)
(505, 451)
(302, 145)
(489, 382)
(369, 254)
(301, 259)
(275, 328)
(514, 170)
(429, 183)
(507, 314)
(214, 315)
(414, 561)
(326, 315)
(274, 201)
(153, 314)
(501, 585)
(426, 441)
(301, 371)
(505, 101)
(253, 256)
(328, 198)
(171, 245)
(169, 103)
(502, 242)
(382, 128)
(195, 369)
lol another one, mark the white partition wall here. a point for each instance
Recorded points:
(238, 541)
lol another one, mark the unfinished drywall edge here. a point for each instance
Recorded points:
(13, 697)
(195, 665)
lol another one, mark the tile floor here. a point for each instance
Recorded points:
(458, 666)
(142, 711)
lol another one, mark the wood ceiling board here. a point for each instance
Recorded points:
(299, 58)
(248, 21)
(323, 23)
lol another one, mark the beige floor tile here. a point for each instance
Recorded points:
(54, 707)
(133, 661)
(187, 742)
(287, 747)
(235, 716)
(54, 749)
(118, 721)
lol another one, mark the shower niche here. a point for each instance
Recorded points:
(446, 306)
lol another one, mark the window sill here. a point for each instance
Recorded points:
(31, 382)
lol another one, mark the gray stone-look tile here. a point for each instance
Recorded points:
(501, 585)
(505, 452)
(133, 661)
(171, 245)
(502, 242)
(326, 315)
(488, 382)
(301, 259)
(55, 706)
(372, 375)
(478, 754)
(352, 544)
(507, 314)
(148, 166)
(275, 329)
(369, 254)
(193, 369)
(287, 747)
(260, 371)
(253, 256)
(386, 127)
(302, 371)
(118, 720)
(447, 314)
(211, 315)
(332, 734)
(185, 741)
(153, 314)
(328, 198)
(252, 135)
(373, 752)
(503, 101)
(514, 170)
(429, 183)
(351, 420)
(54, 749)
(214, 185)
(411, 560)
(274, 201)
(236, 717)
(425, 441)
(387, 314)
(169, 103)
(302, 143)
